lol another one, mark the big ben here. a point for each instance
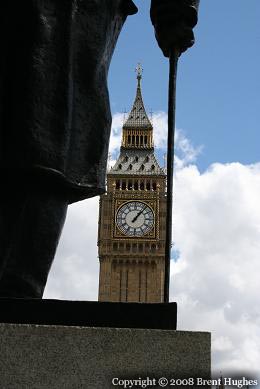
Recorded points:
(132, 214)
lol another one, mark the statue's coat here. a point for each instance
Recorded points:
(54, 108)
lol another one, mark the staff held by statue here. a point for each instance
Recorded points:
(173, 43)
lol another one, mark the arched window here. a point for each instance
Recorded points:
(148, 185)
(136, 185)
(147, 159)
(153, 247)
(154, 185)
(123, 185)
(152, 167)
(142, 167)
(142, 185)
(117, 184)
(120, 166)
(130, 185)
(136, 159)
(126, 158)
(130, 167)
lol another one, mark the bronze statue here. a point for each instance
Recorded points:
(55, 118)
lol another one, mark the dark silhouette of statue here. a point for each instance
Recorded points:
(55, 118)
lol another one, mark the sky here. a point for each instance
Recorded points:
(216, 212)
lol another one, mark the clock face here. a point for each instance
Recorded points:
(135, 218)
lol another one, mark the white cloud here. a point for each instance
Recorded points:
(222, 343)
(216, 277)
(74, 274)
(116, 132)
(216, 230)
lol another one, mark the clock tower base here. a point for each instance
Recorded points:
(131, 279)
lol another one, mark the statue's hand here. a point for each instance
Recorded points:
(173, 22)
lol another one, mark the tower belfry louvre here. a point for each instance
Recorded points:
(132, 216)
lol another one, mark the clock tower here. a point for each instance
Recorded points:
(132, 216)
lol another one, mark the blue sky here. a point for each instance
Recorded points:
(218, 90)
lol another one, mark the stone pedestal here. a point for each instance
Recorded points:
(60, 357)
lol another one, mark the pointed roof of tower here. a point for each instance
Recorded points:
(137, 152)
(132, 162)
(138, 117)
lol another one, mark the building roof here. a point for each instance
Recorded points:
(137, 162)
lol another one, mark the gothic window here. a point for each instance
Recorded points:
(152, 167)
(118, 184)
(142, 167)
(145, 140)
(148, 186)
(141, 139)
(137, 139)
(147, 159)
(129, 139)
(130, 185)
(136, 159)
(130, 167)
(123, 185)
(154, 185)
(120, 166)
(142, 185)
(126, 158)
(136, 185)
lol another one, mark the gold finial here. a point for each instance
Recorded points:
(139, 71)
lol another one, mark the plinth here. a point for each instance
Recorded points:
(72, 357)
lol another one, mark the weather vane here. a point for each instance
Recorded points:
(139, 71)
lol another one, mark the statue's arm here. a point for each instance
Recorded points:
(173, 22)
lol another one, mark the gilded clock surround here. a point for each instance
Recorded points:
(152, 204)
(132, 267)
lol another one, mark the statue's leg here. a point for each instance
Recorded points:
(11, 208)
(33, 245)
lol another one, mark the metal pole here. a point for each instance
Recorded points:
(174, 55)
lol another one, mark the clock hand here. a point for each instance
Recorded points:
(137, 216)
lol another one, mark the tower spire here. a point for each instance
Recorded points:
(138, 129)
(139, 72)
